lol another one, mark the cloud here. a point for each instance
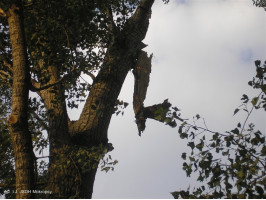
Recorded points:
(203, 58)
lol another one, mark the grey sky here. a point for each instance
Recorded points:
(204, 52)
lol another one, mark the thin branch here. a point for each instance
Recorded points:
(35, 86)
(90, 75)
(2, 77)
(109, 13)
(5, 73)
(8, 65)
(249, 113)
(2, 13)
(67, 37)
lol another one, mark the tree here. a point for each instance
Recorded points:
(231, 163)
(46, 47)
(260, 3)
(18, 124)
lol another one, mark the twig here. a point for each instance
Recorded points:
(90, 75)
(8, 65)
(2, 13)
(5, 73)
(249, 113)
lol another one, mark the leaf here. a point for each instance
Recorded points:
(235, 131)
(106, 169)
(245, 98)
(236, 111)
(184, 156)
(115, 162)
(257, 63)
(254, 101)
(200, 145)
(175, 194)
(126, 104)
(260, 190)
(191, 144)
(183, 135)
(192, 159)
(263, 151)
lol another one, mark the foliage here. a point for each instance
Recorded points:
(67, 35)
(7, 172)
(232, 163)
(260, 3)
(120, 105)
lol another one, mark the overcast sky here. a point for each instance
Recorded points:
(204, 52)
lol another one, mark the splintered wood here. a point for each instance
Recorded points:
(142, 77)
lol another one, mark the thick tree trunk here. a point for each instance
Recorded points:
(18, 125)
(67, 177)
(58, 135)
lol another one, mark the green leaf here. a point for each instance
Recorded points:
(192, 159)
(115, 162)
(200, 145)
(106, 169)
(260, 190)
(254, 101)
(184, 156)
(183, 135)
(235, 131)
(191, 144)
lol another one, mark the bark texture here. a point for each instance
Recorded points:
(18, 124)
(141, 73)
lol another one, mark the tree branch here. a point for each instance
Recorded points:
(141, 73)
(2, 13)
(5, 73)
(36, 86)
(157, 112)
(90, 75)
(8, 66)
(139, 22)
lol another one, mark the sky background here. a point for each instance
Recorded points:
(204, 53)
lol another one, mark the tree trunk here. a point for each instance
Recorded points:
(18, 125)
(86, 139)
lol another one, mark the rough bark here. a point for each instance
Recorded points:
(141, 73)
(158, 112)
(58, 135)
(18, 125)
